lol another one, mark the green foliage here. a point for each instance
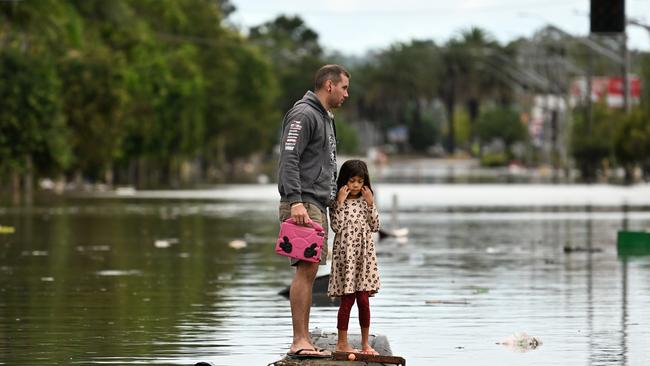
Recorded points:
(144, 87)
(401, 75)
(31, 122)
(469, 76)
(115, 83)
(348, 141)
(462, 128)
(645, 83)
(502, 124)
(494, 159)
(590, 145)
(398, 83)
(294, 52)
(94, 103)
(632, 141)
(397, 87)
(422, 126)
(254, 119)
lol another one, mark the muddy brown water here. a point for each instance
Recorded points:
(151, 280)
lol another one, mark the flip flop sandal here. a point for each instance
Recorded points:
(300, 354)
(318, 349)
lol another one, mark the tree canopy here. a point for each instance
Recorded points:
(167, 92)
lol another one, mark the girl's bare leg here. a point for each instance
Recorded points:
(365, 346)
(343, 318)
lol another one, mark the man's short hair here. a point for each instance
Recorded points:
(329, 72)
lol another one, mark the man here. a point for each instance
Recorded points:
(307, 184)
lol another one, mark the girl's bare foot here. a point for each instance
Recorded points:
(369, 351)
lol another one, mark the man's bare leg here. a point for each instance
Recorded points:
(300, 298)
(342, 344)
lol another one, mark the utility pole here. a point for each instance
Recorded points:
(590, 72)
(626, 72)
(626, 54)
(607, 17)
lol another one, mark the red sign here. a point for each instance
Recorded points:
(609, 89)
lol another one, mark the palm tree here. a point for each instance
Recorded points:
(469, 76)
(396, 82)
(294, 51)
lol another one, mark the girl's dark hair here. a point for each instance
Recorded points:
(353, 168)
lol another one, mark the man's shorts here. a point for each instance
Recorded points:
(317, 216)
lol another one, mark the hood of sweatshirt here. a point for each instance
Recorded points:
(312, 99)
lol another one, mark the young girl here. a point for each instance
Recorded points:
(354, 275)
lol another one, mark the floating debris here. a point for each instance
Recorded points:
(117, 272)
(35, 253)
(237, 244)
(165, 243)
(396, 233)
(480, 290)
(570, 249)
(125, 191)
(7, 229)
(161, 244)
(224, 277)
(447, 302)
(521, 342)
(94, 248)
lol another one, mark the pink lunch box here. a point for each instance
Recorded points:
(300, 242)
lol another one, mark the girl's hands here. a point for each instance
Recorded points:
(367, 195)
(342, 195)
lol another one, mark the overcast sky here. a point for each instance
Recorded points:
(355, 26)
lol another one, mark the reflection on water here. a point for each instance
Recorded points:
(84, 282)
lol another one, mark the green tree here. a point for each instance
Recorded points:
(33, 133)
(502, 124)
(295, 54)
(94, 102)
(255, 118)
(591, 144)
(632, 142)
(348, 141)
(32, 129)
(470, 77)
(397, 86)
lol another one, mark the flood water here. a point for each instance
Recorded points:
(149, 279)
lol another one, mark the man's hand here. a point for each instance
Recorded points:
(299, 214)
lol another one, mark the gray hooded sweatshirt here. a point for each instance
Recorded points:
(307, 167)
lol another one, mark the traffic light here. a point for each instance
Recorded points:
(607, 16)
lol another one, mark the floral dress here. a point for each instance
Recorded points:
(354, 260)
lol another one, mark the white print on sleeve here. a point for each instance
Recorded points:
(292, 136)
